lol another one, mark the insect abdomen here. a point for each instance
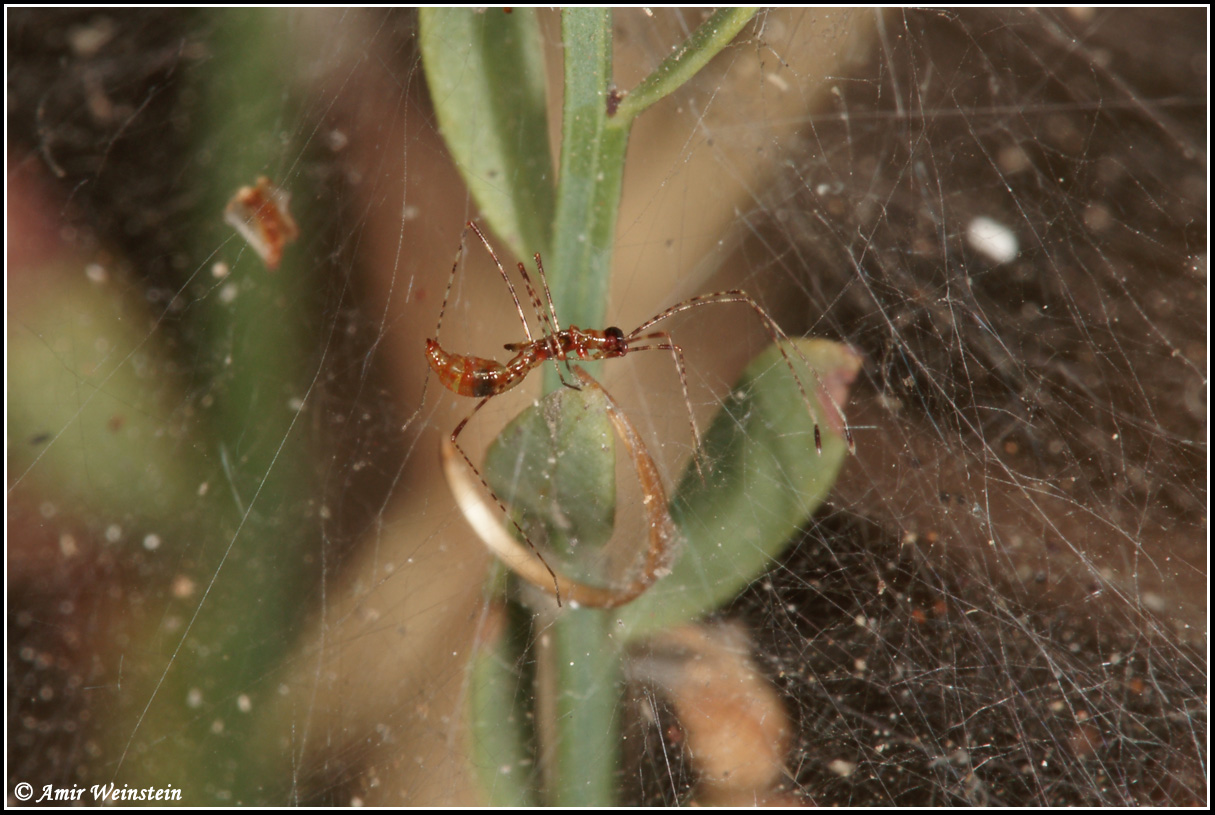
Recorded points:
(468, 376)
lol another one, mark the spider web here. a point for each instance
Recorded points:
(1005, 601)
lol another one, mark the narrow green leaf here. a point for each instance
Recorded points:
(763, 480)
(486, 77)
(706, 41)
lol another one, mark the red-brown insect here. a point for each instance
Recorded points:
(485, 378)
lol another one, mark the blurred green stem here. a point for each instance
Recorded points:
(246, 562)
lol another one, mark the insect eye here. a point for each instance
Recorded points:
(615, 337)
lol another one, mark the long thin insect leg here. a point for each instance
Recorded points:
(556, 324)
(677, 352)
(451, 278)
(518, 307)
(552, 308)
(544, 317)
(549, 317)
(779, 337)
(501, 505)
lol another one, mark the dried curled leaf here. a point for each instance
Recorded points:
(735, 726)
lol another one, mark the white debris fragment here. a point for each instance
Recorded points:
(842, 768)
(993, 239)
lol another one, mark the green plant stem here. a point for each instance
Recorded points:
(584, 758)
(591, 176)
(246, 559)
(584, 755)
